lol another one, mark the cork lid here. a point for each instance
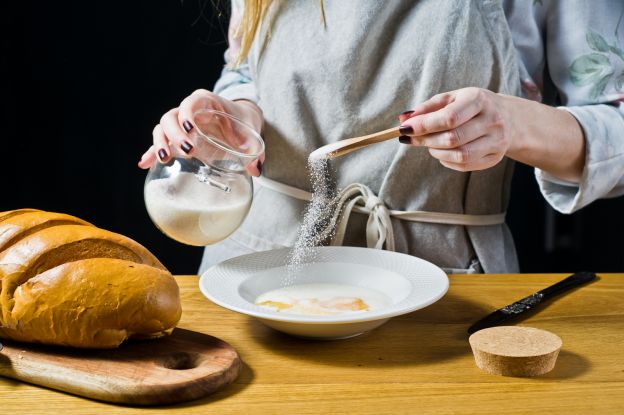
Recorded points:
(515, 350)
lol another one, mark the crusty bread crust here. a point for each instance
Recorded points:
(11, 213)
(23, 223)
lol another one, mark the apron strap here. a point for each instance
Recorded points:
(283, 188)
(360, 198)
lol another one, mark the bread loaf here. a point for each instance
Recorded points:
(66, 282)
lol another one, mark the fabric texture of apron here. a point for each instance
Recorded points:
(352, 76)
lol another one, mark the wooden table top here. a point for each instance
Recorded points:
(417, 363)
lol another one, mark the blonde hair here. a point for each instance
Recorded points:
(254, 13)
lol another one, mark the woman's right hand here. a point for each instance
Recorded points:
(171, 135)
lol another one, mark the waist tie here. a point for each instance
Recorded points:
(359, 198)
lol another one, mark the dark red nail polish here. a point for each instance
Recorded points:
(406, 129)
(162, 154)
(259, 167)
(404, 139)
(187, 126)
(187, 147)
(408, 112)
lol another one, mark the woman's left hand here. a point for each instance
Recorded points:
(467, 129)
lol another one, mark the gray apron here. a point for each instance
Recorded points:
(319, 84)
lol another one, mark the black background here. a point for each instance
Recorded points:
(83, 84)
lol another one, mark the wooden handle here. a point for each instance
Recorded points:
(572, 281)
(348, 145)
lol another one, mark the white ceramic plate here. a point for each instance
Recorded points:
(411, 283)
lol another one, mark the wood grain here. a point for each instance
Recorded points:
(346, 146)
(181, 367)
(417, 363)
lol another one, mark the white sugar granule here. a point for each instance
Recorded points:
(318, 224)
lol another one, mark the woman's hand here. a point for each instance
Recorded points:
(172, 135)
(465, 130)
(473, 129)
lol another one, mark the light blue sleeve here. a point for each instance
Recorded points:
(584, 44)
(235, 82)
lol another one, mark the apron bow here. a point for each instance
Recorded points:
(363, 199)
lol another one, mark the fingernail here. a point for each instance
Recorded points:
(187, 126)
(404, 139)
(187, 147)
(162, 154)
(406, 129)
(408, 112)
(259, 166)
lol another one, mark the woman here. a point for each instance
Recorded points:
(453, 71)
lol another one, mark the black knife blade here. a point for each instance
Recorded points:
(519, 307)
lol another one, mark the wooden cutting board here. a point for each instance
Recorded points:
(184, 366)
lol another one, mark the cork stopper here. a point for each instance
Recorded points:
(515, 351)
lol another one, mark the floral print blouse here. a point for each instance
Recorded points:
(571, 54)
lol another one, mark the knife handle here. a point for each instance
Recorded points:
(572, 281)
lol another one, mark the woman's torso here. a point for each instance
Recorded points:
(319, 84)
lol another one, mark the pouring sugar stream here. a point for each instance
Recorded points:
(317, 226)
